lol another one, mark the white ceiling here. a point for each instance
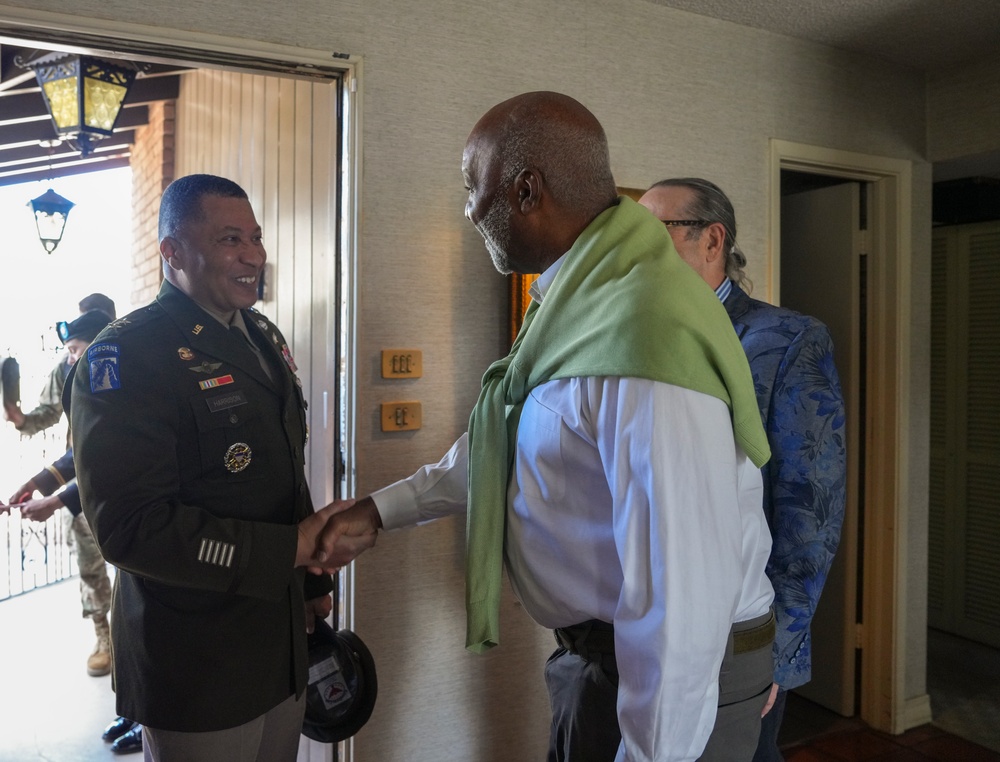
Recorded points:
(927, 35)
(922, 34)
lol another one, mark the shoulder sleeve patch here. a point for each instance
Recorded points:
(103, 360)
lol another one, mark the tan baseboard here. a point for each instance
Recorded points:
(917, 711)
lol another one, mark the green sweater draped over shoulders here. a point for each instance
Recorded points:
(622, 304)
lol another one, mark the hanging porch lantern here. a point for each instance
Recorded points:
(83, 95)
(50, 210)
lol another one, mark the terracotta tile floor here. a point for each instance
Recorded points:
(963, 679)
(917, 745)
(852, 741)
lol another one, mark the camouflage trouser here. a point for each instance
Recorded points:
(95, 586)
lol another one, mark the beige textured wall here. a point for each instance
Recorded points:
(963, 111)
(678, 94)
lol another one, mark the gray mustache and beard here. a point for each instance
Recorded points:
(495, 230)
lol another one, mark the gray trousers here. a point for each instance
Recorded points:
(744, 686)
(272, 737)
(583, 694)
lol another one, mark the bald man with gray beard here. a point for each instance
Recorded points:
(611, 463)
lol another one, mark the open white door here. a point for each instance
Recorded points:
(821, 262)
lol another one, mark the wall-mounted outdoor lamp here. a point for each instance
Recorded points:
(51, 211)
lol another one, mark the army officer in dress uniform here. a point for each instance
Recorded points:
(189, 426)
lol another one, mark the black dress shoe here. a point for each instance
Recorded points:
(130, 742)
(117, 729)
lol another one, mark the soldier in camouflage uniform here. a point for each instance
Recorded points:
(95, 586)
(49, 409)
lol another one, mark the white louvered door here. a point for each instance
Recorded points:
(964, 557)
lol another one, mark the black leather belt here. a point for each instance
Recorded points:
(597, 637)
(587, 638)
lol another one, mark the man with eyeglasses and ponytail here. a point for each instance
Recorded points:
(798, 392)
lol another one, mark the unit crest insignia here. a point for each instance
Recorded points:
(237, 457)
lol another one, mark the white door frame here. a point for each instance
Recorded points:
(72, 32)
(882, 635)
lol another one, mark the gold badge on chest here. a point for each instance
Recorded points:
(237, 457)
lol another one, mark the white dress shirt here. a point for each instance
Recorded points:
(629, 502)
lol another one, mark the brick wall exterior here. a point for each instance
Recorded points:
(152, 172)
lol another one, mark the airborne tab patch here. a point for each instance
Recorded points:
(103, 361)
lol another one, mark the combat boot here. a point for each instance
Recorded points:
(99, 662)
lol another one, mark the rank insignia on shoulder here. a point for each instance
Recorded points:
(262, 324)
(237, 457)
(211, 383)
(119, 323)
(184, 353)
(103, 361)
(289, 360)
(206, 367)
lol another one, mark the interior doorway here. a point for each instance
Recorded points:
(298, 163)
(963, 653)
(883, 474)
(823, 259)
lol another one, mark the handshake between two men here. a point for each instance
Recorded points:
(336, 534)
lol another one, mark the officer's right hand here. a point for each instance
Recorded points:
(311, 552)
(347, 534)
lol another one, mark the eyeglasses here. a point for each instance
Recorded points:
(685, 223)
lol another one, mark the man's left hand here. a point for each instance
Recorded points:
(770, 699)
(317, 608)
(40, 509)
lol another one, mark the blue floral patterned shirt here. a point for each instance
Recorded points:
(798, 391)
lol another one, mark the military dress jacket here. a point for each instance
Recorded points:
(798, 392)
(191, 469)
